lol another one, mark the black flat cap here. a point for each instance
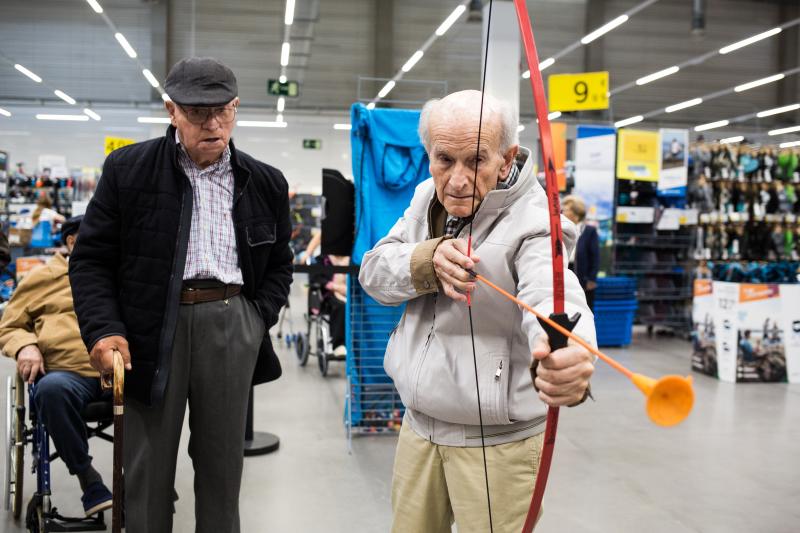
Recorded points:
(70, 227)
(201, 81)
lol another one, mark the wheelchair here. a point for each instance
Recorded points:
(318, 328)
(41, 515)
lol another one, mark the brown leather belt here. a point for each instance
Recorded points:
(198, 295)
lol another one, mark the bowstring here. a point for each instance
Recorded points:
(469, 254)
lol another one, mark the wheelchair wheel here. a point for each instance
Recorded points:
(322, 356)
(15, 456)
(302, 348)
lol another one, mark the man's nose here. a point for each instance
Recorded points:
(461, 177)
(212, 123)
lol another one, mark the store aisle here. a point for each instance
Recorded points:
(732, 467)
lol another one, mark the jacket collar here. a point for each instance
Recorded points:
(241, 174)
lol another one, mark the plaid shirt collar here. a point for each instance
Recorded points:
(454, 224)
(224, 159)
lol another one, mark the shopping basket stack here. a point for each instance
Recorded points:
(372, 403)
(614, 310)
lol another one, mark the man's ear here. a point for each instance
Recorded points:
(171, 109)
(508, 160)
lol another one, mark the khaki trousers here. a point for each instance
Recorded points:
(435, 485)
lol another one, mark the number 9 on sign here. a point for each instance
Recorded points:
(578, 92)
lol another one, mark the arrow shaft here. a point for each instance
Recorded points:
(611, 362)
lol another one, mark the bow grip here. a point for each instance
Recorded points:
(555, 338)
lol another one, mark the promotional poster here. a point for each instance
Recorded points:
(638, 155)
(674, 162)
(704, 345)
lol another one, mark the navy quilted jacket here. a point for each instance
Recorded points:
(127, 268)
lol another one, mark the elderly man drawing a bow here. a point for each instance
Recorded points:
(423, 262)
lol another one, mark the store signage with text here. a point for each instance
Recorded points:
(290, 88)
(578, 92)
(112, 143)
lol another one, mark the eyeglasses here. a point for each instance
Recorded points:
(199, 115)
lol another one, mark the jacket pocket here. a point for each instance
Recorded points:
(494, 391)
(260, 234)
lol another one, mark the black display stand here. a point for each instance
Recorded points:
(257, 442)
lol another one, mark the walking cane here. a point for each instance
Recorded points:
(117, 382)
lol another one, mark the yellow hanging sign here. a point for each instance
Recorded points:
(578, 92)
(112, 143)
(638, 156)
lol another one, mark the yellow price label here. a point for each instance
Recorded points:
(112, 143)
(578, 92)
(622, 217)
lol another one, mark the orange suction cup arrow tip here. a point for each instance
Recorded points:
(669, 399)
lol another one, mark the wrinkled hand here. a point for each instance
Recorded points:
(30, 363)
(562, 376)
(102, 354)
(449, 262)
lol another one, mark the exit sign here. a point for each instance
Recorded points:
(291, 88)
(312, 144)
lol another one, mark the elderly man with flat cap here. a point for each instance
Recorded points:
(182, 265)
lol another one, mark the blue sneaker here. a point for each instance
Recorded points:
(96, 498)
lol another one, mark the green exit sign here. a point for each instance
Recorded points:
(291, 88)
(312, 144)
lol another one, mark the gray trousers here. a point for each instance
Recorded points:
(213, 359)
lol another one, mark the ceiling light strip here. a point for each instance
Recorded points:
(414, 59)
(683, 105)
(260, 124)
(758, 83)
(783, 131)
(288, 18)
(712, 125)
(702, 58)
(91, 114)
(750, 40)
(629, 121)
(28, 73)
(68, 118)
(778, 110)
(64, 96)
(596, 34)
(658, 75)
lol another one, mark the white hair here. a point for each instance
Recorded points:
(466, 105)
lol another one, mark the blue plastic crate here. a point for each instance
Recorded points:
(614, 326)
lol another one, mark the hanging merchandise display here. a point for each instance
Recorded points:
(748, 200)
(638, 155)
(674, 162)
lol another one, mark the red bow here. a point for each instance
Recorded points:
(556, 242)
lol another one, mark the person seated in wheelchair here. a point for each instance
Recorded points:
(40, 330)
(333, 295)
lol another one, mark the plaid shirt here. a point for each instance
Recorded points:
(455, 224)
(212, 250)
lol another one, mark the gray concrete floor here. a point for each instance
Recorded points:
(731, 467)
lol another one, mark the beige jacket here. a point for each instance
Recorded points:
(429, 355)
(40, 312)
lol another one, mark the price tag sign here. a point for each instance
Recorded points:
(578, 92)
(112, 143)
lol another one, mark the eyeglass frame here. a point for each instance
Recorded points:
(214, 113)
